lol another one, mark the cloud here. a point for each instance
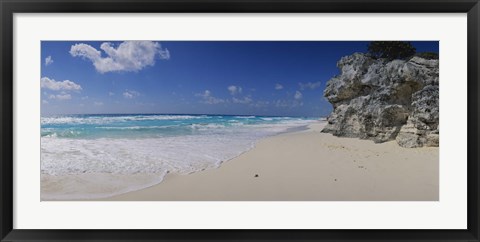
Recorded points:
(44, 101)
(298, 95)
(111, 94)
(48, 60)
(66, 85)
(84, 98)
(234, 89)
(244, 100)
(63, 96)
(310, 85)
(98, 103)
(260, 104)
(291, 103)
(208, 98)
(288, 103)
(278, 86)
(127, 56)
(130, 94)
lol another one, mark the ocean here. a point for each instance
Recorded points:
(152, 143)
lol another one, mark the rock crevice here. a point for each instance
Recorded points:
(385, 100)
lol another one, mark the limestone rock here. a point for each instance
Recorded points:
(385, 100)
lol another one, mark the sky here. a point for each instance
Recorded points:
(272, 78)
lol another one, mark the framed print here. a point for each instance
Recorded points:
(255, 121)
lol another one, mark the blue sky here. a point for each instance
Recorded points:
(278, 78)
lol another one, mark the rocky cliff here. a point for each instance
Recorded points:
(385, 100)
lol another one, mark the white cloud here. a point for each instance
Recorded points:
(291, 103)
(298, 95)
(111, 94)
(288, 103)
(208, 98)
(84, 98)
(98, 103)
(309, 85)
(51, 84)
(207, 93)
(128, 56)
(48, 60)
(278, 86)
(130, 94)
(244, 100)
(62, 96)
(260, 104)
(234, 89)
(44, 101)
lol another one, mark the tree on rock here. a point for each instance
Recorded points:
(391, 49)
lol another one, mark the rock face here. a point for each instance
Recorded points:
(385, 100)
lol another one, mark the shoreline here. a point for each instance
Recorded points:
(306, 165)
(293, 167)
(53, 186)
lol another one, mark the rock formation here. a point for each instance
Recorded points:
(385, 100)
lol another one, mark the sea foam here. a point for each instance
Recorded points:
(181, 154)
(156, 144)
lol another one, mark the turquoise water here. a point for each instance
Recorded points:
(151, 125)
(152, 143)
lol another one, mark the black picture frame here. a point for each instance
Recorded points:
(9, 7)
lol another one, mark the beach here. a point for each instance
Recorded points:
(336, 121)
(308, 166)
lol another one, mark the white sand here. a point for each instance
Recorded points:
(308, 166)
(92, 186)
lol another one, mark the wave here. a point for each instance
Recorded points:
(202, 146)
(131, 156)
(110, 119)
(206, 126)
(137, 127)
(141, 129)
(205, 147)
(64, 133)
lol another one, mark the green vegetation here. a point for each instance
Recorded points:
(428, 55)
(391, 49)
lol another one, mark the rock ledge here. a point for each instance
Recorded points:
(385, 100)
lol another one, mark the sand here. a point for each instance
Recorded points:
(308, 166)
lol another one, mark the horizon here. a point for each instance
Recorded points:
(178, 114)
(243, 78)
